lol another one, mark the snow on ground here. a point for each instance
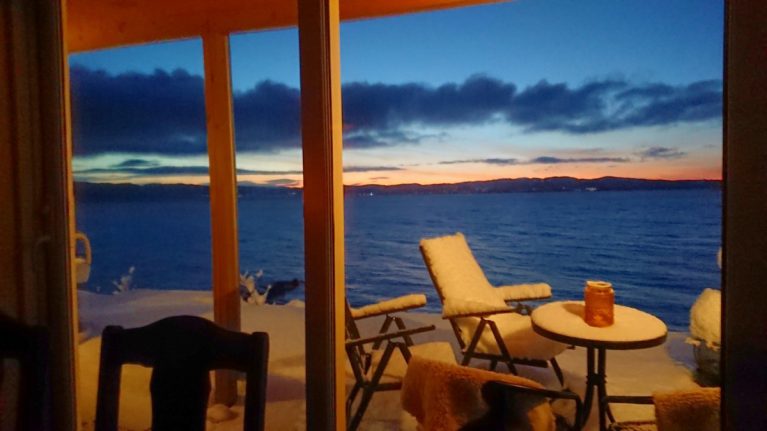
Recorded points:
(628, 372)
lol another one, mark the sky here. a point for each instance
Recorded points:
(530, 88)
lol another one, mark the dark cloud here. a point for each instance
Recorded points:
(159, 113)
(614, 104)
(490, 161)
(371, 168)
(661, 153)
(170, 170)
(376, 107)
(164, 112)
(549, 160)
(135, 163)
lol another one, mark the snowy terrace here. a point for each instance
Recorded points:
(665, 367)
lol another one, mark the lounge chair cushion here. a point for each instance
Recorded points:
(457, 275)
(518, 336)
(401, 303)
(446, 397)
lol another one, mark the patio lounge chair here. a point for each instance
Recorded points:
(379, 362)
(447, 396)
(387, 308)
(485, 326)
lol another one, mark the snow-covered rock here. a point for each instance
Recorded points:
(706, 317)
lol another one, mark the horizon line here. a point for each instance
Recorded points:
(252, 184)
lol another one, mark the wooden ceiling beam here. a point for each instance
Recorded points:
(100, 24)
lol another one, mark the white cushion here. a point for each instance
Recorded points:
(456, 273)
(517, 333)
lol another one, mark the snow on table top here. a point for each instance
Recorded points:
(565, 318)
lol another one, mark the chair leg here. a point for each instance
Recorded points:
(350, 398)
(557, 371)
(367, 395)
(383, 330)
(512, 368)
(469, 352)
(493, 364)
(401, 325)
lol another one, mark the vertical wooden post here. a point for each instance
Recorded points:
(223, 196)
(318, 28)
(745, 212)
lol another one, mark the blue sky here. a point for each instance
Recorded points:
(546, 54)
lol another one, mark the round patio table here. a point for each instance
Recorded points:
(633, 329)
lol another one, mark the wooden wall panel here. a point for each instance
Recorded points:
(745, 217)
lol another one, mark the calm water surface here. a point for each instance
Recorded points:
(658, 248)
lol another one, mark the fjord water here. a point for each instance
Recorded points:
(658, 248)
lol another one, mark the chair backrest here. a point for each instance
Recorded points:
(181, 351)
(29, 346)
(455, 272)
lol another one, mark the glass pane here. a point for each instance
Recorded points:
(265, 78)
(567, 142)
(141, 197)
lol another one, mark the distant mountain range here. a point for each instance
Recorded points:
(103, 191)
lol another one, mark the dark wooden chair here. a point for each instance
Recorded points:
(29, 346)
(181, 350)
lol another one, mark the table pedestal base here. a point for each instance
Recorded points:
(595, 378)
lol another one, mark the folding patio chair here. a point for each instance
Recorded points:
(387, 308)
(379, 362)
(485, 326)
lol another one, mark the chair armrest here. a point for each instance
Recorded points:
(402, 303)
(479, 314)
(465, 307)
(524, 292)
(388, 336)
(627, 399)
